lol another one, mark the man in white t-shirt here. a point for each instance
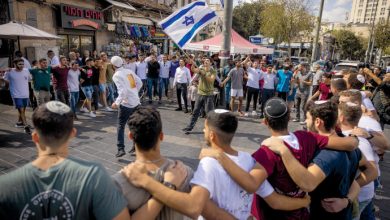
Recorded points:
(165, 67)
(18, 79)
(141, 68)
(349, 116)
(74, 86)
(130, 63)
(253, 87)
(207, 191)
(270, 81)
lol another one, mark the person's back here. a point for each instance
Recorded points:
(136, 197)
(55, 186)
(336, 184)
(66, 189)
(224, 191)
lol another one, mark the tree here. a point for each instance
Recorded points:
(382, 38)
(286, 20)
(350, 46)
(246, 19)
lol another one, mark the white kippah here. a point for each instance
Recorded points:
(351, 104)
(220, 111)
(57, 107)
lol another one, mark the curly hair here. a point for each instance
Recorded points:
(145, 126)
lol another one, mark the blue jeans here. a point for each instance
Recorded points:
(124, 114)
(152, 83)
(267, 94)
(74, 99)
(227, 95)
(163, 82)
(368, 213)
(111, 91)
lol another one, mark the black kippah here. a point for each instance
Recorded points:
(276, 108)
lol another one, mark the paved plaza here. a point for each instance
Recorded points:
(96, 141)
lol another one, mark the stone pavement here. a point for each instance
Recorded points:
(96, 141)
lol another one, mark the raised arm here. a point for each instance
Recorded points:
(372, 75)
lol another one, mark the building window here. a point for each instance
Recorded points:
(75, 43)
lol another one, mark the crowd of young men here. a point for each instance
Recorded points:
(329, 171)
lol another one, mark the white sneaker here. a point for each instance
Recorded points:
(92, 115)
(100, 105)
(254, 113)
(84, 109)
(246, 114)
(108, 109)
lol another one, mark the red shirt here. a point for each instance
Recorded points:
(325, 92)
(279, 178)
(189, 65)
(61, 78)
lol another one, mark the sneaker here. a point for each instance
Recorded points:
(261, 116)
(108, 109)
(92, 115)
(19, 125)
(150, 101)
(295, 120)
(186, 111)
(100, 105)
(302, 123)
(254, 113)
(132, 152)
(186, 129)
(27, 129)
(159, 102)
(178, 109)
(246, 114)
(120, 153)
(84, 109)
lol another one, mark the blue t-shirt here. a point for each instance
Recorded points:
(340, 168)
(284, 81)
(172, 70)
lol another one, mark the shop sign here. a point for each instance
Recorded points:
(80, 18)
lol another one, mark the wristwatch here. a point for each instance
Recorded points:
(169, 185)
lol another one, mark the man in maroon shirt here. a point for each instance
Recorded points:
(302, 145)
(60, 74)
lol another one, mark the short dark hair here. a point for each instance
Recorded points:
(17, 60)
(224, 124)
(34, 62)
(42, 59)
(18, 53)
(146, 126)
(50, 51)
(326, 111)
(53, 126)
(278, 124)
(327, 75)
(352, 112)
(62, 57)
(354, 82)
(339, 84)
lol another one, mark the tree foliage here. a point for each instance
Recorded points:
(246, 19)
(382, 35)
(286, 20)
(349, 45)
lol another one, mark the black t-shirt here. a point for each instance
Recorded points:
(153, 70)
(90, 76)
(340, 168)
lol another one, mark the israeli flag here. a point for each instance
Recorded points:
(183, 24)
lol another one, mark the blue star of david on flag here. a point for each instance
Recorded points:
(182, 25)
(188, 20)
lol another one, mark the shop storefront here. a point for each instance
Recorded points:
(77, 28)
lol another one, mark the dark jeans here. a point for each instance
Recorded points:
(201, 101)
(300, 103)
(95, 97)
(163, 82)
(74, 99)
(63, 96)
(315, 88)
(124, 114)
(152, 83)
(283, 95)
(181, 90)
(251, 92)
(267, 94)
(368, 212)
(110, 94)
(143, 91)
